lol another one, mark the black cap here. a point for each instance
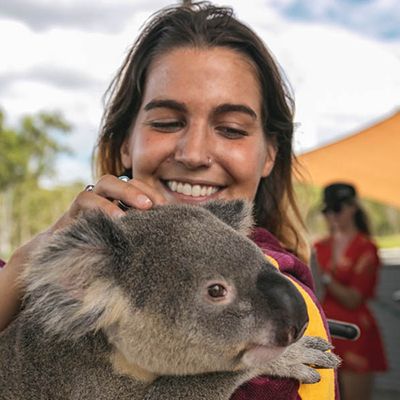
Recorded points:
(338, 193)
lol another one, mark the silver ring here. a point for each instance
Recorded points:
(124, 178)
(89, 188)
(121, 204)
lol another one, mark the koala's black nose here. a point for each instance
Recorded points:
(284, 307)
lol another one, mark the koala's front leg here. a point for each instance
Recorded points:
(300, 360)
(212, 386)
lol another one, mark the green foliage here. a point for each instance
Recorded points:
(28, 151)
(35, 209)
(12, 158)
(27, 154)
(388, 241)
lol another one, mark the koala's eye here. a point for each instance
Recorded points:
(217, 291)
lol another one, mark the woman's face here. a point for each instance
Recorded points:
(343, 219)
(198, 134)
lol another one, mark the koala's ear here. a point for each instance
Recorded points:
(236, 213)
(68, 286)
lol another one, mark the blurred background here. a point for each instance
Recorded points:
(341, 59)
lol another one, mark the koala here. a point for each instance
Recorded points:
(171, 303)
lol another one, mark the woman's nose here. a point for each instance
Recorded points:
(193, 148)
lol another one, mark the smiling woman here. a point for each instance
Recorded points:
(199, 111)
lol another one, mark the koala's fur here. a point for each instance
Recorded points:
(124, 309)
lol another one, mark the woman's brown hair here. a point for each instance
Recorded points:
(203, 25)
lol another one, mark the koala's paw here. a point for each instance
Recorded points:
(301, 359)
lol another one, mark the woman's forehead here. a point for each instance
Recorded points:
(214, 74)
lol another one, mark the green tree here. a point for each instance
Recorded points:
(28, 151)
(27, 154)
(12, 156)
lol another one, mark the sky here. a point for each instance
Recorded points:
(340, 57)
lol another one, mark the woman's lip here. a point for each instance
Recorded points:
(193, 182)
(190, 199)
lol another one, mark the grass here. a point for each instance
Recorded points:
(389, 241)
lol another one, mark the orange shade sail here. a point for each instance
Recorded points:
(370, 159)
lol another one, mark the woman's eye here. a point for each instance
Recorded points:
(231, 133)
(167, 126)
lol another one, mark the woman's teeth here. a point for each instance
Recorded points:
(191, 190)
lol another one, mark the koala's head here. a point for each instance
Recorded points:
(177, 289)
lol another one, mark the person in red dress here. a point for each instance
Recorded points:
(349, 265)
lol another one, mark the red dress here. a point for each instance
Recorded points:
(357, 269)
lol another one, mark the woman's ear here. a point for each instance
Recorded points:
(269, 160)
(125, 153)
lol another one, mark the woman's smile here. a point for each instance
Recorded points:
(193, 190)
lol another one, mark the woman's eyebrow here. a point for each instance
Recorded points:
(167, 103)
(220, 109)
(229, 107)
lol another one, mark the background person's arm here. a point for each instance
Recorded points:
(362, 286)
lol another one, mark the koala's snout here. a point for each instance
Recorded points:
(284, 306)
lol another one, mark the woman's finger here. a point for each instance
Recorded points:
(133, 193)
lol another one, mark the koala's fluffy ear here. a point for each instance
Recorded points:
(236, 213)
(67, 289)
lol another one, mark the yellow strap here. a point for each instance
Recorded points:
(325, 388)
(272, 261)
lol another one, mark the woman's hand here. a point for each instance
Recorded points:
(349, 297)
(105, 195)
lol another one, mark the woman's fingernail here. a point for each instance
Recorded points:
(118, 213)
(143, 201)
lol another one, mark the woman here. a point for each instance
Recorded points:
(349, 262)
(199, 111)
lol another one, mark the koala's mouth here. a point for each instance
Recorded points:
(258, 355)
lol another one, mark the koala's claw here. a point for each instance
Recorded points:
(301, 359)
(313, 351)
(316, 342)
(306, 374)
